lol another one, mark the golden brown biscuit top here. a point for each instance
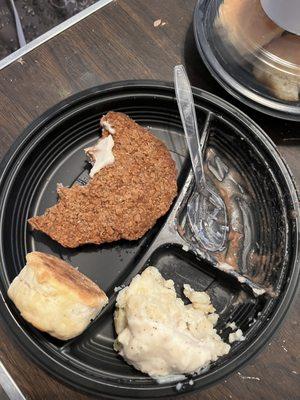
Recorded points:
(56, 271)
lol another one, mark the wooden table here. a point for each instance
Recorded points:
(121, 41)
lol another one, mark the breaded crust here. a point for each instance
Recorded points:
(122, 200)
(56, 272)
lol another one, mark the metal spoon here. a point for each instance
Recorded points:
(206, 211)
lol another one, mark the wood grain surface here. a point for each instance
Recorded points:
(120, 42)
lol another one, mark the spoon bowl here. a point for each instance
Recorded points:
(207, 217)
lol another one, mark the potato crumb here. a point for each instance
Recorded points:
(236, 336)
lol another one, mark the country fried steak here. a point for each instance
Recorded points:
(124, 199)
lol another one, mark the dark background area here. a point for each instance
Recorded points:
(37, 17)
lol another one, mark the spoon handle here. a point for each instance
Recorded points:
(187, 111)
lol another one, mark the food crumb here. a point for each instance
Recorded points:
(21, 61)
(253, 378)
(169, 378)
(295, 372)
(185, 247)
(158, 23)
(231, 325)
(236, 336)
(191, 382)
(258, 292)
(179, 386)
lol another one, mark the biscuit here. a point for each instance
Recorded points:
(54, 297)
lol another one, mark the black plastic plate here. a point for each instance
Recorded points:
(50, 151)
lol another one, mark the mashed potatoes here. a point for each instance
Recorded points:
(158, 334)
